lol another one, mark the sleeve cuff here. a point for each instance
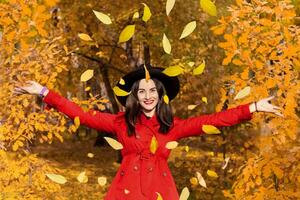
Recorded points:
(245, 110)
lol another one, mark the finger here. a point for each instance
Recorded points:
(277, 108)
(279, 114)
(269, 98)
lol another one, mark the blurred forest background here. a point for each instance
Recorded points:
(222, 48)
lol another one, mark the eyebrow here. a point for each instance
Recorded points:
(150, 88)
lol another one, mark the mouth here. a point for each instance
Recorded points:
(148, 102)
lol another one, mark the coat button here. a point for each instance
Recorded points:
(150, 169)
(138, 136)
(135, 168)
(122, 173)
(165, 174)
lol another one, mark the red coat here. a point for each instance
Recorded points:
(142, 173)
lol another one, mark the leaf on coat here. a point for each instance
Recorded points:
(126, 33)
(105, 19)
(87, 75)
(212, 173)
(173, 70)
(201, 179)
(204, 99)
(114, 143)
(120, 92)
(210, 129)
(199, 70)
(188, 29)
(208, 7)
(166, 99)
(185, 193)
(57, 178)
(171, 145)
(244, 92)
(147, 74)
(153, 145)
(166, 44)
(226, 162)
(169, 6)
(121, 81)
(85, 37)
(159, 197)
(90, 155)
(82, 178)
(147, 13)
(192, 107)
(77, 121)
(102, 180)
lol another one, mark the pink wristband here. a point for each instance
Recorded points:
(42, 91)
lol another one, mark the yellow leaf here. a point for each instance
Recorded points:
(185, 193)
(186, 148)
(166, 99)
(171, 145)
(169, 6)
(87, 75)
(57, 178)
(105, 19)
(210, 129)
(90, 155)
(244, 92)
(147, 13)
(226, 162)
(194, 181)
(87, 89)
(192, 107)
(208, 7)
(188, 29)
(102, 180)
(120, 92)
(153, 145)
(173, 70)
(82, 178)
(113, 143)
(147, 75)
(199, 70)
(212, 173)
(166, 44)
(204, 99)
(201, 179)
(77, 121)
(191, 64)
(84, 37)
(159, 197)
(126, 33)
(121, 81)
(136, 15)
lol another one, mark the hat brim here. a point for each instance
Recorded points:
(171, 84)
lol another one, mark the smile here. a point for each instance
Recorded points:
(148, 102)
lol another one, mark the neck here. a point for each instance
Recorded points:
(149, 113)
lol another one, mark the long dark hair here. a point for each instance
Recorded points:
(133, 109)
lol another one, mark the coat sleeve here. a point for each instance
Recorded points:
(193, 125)
(94, 119)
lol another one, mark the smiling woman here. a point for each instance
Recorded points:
(145, 129)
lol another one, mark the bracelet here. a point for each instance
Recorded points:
(42, 91)
(255, 106)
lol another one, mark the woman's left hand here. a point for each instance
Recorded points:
(263, 105)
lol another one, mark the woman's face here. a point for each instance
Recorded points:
(147, 95)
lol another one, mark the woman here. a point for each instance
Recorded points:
(144, 173)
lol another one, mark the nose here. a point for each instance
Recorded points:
(147, 95)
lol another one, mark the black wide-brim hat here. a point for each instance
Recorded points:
(171, 84)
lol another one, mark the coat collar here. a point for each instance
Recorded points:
(143, 119)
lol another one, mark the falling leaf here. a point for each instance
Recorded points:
(194, 181)
(169, 5)
(87, 75)
(120, 92)
(173, 70)
(166, 99)
(126, 33)
(147, 13)
(102, 180)
(186, 148)
(212, 173)
(226, 162)
(153, 145)
(166, 44)
(188, 29)
(204, 99)
(159, 197)
(147, 75)
(244, 92)
(210, 129)
(136, 15)
(87, 89)
(77, 121)
(171, 145)
(122, 82)
(90, 155)
(199, 70)
(84, 37)
(82, 178)
(192, 107)
(201, 179)
(208, 7)
(113, 143)
(57, 178)
(211, 153)
(126, 191)
(191, 64)
(105, 19)
(185, 193)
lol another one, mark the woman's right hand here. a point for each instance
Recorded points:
(32, 88)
